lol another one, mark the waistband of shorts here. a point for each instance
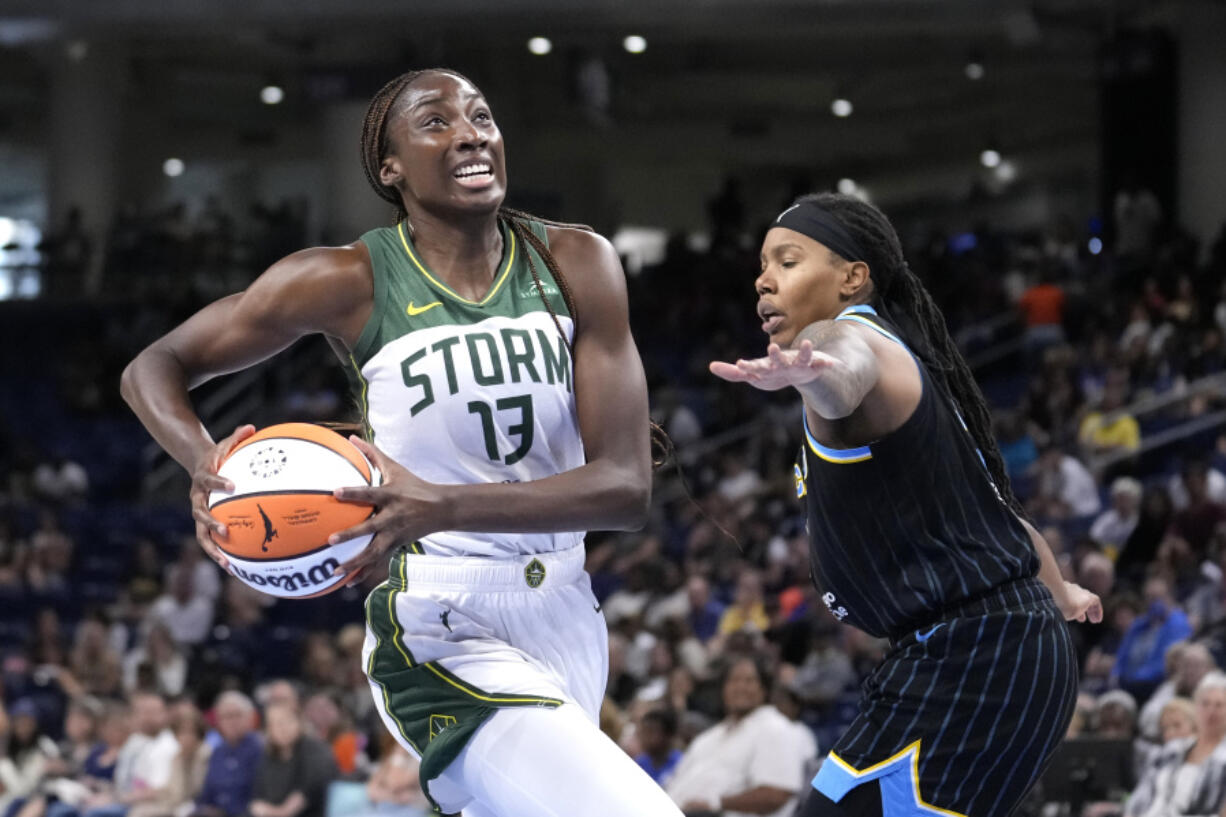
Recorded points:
(528, 572)
(1019, 594)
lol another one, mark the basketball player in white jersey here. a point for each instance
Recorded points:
(506, 403)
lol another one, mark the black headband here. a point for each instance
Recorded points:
(809, 219)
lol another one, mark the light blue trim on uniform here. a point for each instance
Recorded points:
(853, 313)
(839, 456)
(899, 781)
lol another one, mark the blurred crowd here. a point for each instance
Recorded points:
(136, 679)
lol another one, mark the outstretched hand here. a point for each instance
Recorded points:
(779, 369)
(406, 508)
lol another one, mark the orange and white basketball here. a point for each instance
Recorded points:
(281, 512)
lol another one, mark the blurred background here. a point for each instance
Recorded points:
(1054, 167)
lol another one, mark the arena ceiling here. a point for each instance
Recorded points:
(756, 76)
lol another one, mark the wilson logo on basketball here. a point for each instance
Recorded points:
(318, 576)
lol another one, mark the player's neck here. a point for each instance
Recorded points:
(464, 253)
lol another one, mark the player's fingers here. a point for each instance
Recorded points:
(727, 371)
(363, 558)
(203, 517)
(804, 353)
(209, 546)
(208, 481)
(353, 579)
(1096, 611)
(237, 436)
(377, 458)
(366, 528)
(361, 494)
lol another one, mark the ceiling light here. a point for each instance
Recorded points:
(272, 94)
(847, 186)
(540, 46)
(173, 167)
(990, 158)
(635, 44)
(974, 70)
(841, 107)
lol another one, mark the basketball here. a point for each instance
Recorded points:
(282, 511)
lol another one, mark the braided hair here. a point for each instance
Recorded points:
(901, 297)
(374, 148)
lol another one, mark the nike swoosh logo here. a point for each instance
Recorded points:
(414, 311)
(925, 636)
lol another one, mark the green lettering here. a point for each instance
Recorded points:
(412, 380)
(516, 358)
(496, 376)
(557, 368)
(444, 346)
(487, 427)
(525, 428)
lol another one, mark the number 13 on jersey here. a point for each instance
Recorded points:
(523, 428)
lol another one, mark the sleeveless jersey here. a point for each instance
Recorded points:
(466, 392)
(911, 524)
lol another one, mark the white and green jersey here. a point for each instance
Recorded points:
(465, 392)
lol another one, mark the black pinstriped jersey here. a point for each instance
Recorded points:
(911, 524)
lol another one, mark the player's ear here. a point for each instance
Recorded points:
(855, 275)
(390, 174)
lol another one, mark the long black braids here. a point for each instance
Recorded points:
(902, 299)
(374, 147)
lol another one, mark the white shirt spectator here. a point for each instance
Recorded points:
(1077, 487)
(761, 749)
(1215, 483)
(145, 762)
(1110, 528)
(188, 622)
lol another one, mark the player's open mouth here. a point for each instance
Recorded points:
(474, 174)
(771, 317)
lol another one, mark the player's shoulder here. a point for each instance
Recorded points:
(590, 263)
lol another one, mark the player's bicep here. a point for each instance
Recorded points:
(610, 385)
(226, 336)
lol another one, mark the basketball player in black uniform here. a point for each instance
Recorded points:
(915, 533)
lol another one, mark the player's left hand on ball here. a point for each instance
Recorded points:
(405, 510)
(1081, 605)
(779, 369)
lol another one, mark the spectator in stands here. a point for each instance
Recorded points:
(394, 788)
(27, 752)
(705, 611)
(205, 577)
(1206, 606)
(60, 480)
(657, 736)
(145, 762)
(1113, 526)
(1196, 522)
(50, 557)
(187, 772)
(1110, 429)
(94, 667)
(1042, 307)
(279, 692)
(230, 776)
(329, 722)
(156, 664)
(185, 612)
(294, 771)
(747, 611)
(1187, 662)
(1139, 662)
(747, 763)
(1215, 487)
(1064, 488)
(1188, 776)
(1116, 715)
(1142, 544)
(1177, 720)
